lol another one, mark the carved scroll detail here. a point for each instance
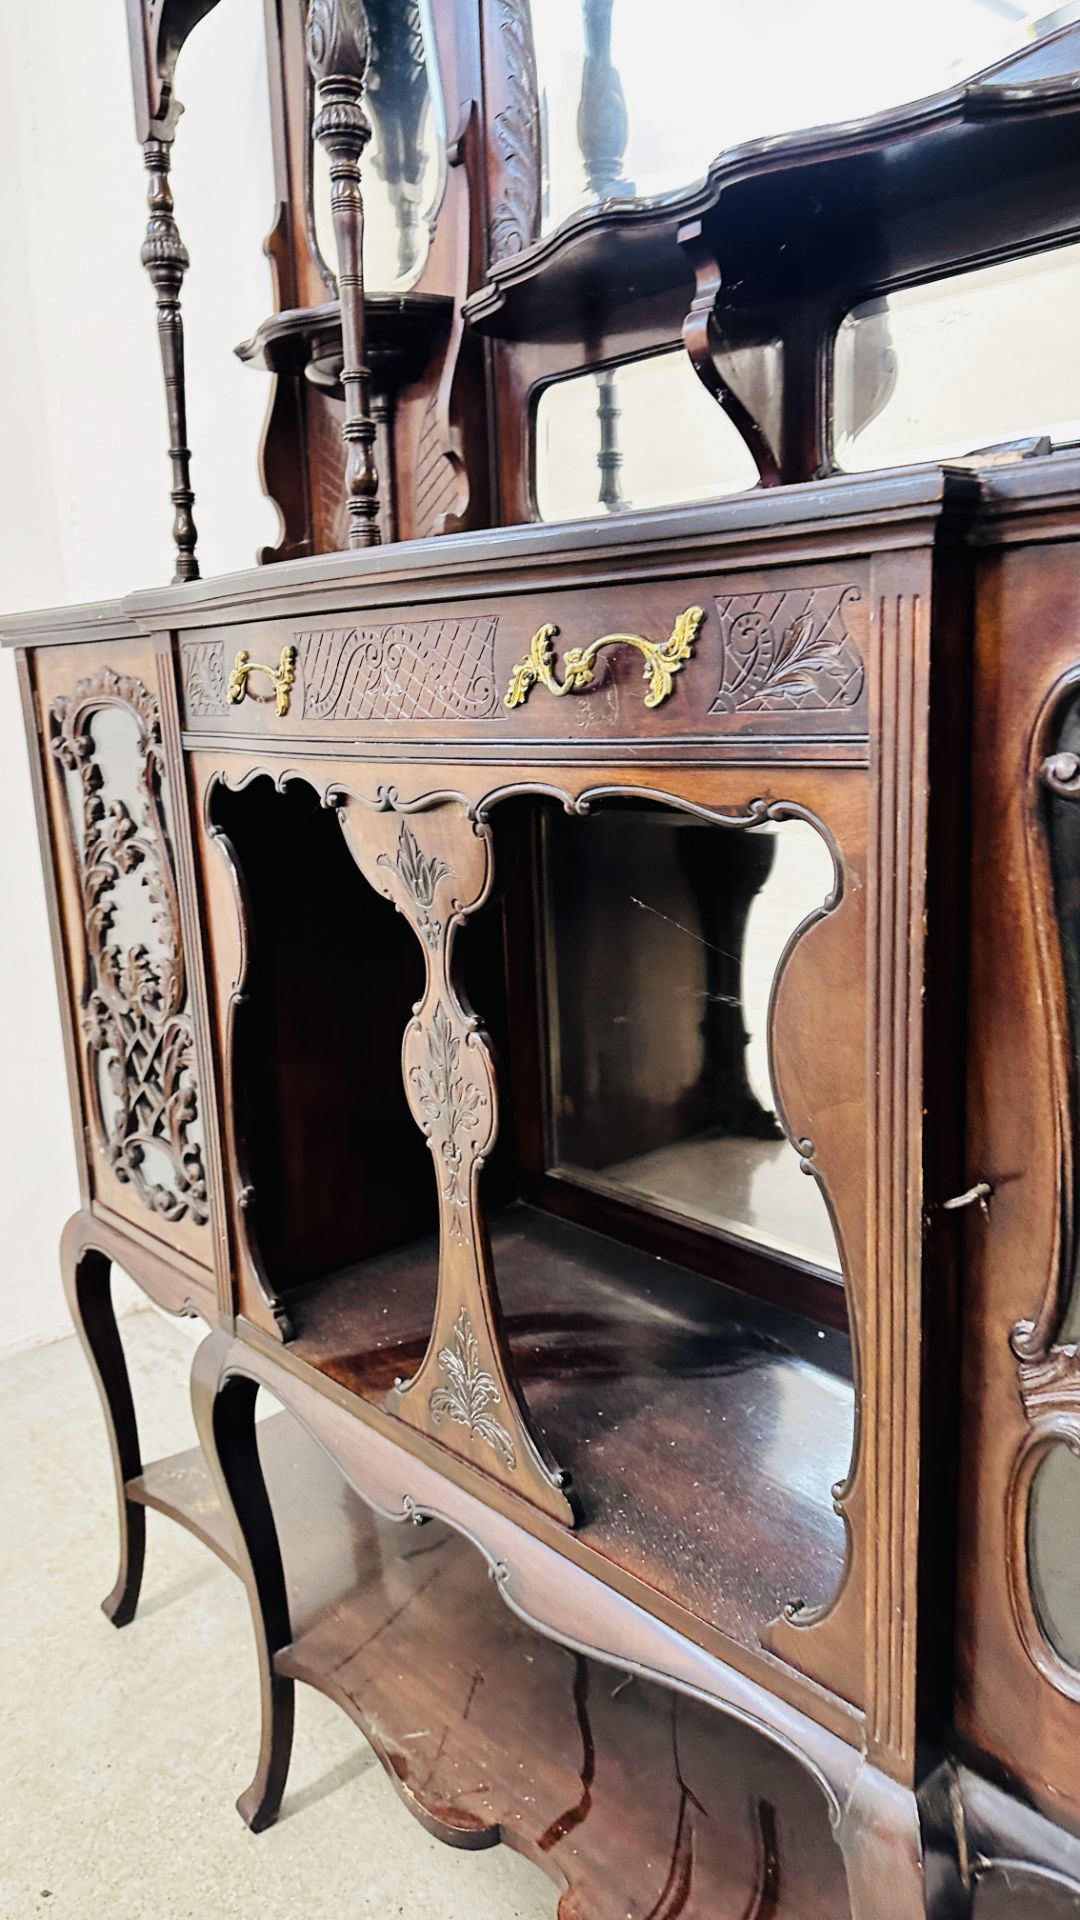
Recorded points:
(204, 677)
(135, 1024)
(515, 219)
(789, 651)
(412, 670)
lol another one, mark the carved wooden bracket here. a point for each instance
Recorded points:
(759, 425)
(338, 48)
(436, 869)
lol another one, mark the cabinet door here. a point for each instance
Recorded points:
(111, 806)
(1019, 1670)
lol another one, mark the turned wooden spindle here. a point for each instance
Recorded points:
(158, 30)
(165, 258)
(338, 47)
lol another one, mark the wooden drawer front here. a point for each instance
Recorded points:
(777, 654)
(112, 842)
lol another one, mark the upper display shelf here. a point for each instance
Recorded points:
(630, 115)
(878, 102)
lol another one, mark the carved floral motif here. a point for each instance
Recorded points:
(204, 678)
(788, 651)
(454, 1108)
(469, 1391)
(419, 875)
(136, 1029)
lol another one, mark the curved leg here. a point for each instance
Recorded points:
(224, 1408)
(87, 1284)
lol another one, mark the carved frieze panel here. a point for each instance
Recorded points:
(789, 651)
(137, 1034)
(404, 670)
(420, 670)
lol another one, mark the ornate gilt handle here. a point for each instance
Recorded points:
(663, 660)
(282, 677)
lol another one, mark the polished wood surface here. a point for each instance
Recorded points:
(662, 1394)
(370, 1069)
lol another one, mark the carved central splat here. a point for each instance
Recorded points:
(435, 866)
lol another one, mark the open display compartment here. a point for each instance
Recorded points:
(649, 1371)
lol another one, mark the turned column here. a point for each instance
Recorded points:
(338, 48)
(165, 258)
(157, 30)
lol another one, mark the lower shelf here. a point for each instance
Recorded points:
(704, 1431)
(635, 1801)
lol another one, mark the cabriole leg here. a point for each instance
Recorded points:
(224, 1408)
(87, 1283)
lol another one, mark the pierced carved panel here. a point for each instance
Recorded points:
(136, 1027)
(515, 218)
(789, 651)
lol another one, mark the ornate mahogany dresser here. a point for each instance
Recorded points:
(571, 966)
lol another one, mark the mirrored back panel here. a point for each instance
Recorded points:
(635, 105)
(404, 167)
(664, 936)
(644, 434)
(960, 364)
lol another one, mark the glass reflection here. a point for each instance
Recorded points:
(958, 364)
(636, 104)
(1053, 1530)
(645, 434)
(664, 936)
(403, 166)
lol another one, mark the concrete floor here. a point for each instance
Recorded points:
(121, 1753)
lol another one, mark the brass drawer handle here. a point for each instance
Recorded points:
(282, 677)
(663, 659)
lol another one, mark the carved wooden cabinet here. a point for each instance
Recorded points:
(587, 1012)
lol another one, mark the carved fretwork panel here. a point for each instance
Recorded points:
(436, 868)
(138, 1045)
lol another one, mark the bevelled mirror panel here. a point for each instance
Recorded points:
(960, 364)
(645, 434)
(665, 935)
(635, 102)
(404, 166)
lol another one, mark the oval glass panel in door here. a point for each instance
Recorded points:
(404, 167)
(1053, 1561)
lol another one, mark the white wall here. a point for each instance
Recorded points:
(84, 509)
